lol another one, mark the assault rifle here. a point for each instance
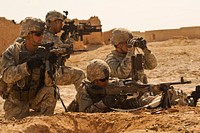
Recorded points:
(47, 52)
(77, 30)
(126, 87)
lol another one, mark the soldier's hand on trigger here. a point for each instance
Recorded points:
(34, 62)
(53, 58)
(111, 100)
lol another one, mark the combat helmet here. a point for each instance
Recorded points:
(97, 69)
(54, 15)
(120, 35)
(30, 24)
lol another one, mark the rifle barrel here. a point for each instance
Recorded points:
(176, 83)
(129, 87)
(80, 50)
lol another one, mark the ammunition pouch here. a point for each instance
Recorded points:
(21, 95)
(96, 93)
(24, 94)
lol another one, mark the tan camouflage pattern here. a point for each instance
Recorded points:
(43, 104)
(178, 97)
(96, 70)
(86, 103)
(31, 24)
(19, 103)
(54, 15)
(70, 75)
(120, 64)
(49, 37)
(120, 35)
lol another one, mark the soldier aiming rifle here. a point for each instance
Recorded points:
(52, 60)
(25, 92)
(77, 30)
(68, 75)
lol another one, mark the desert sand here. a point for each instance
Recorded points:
(176, 58)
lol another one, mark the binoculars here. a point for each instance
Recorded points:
(138, 42)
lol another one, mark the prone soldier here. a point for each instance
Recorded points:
(95, 95)
(87, 100)
(92, 96)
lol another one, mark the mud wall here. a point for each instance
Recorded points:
(94, 37)
(8, 32)
(161, 35)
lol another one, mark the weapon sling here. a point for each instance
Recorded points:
(49, 69)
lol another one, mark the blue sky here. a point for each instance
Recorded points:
(136, 15)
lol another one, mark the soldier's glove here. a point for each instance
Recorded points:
(53, 58)
(132, 103)
(69, 48)
(64, 36)
(34, 62)
(110, 100)
(102, 106)
(139, 42)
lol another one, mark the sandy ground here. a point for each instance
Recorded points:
(176, 58)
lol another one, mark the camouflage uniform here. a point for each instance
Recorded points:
(87, 101)
(68, 75)
(23, 91)
(120, 63)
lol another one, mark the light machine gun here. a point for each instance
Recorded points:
(77, 30)
(126, 87)
(130, 86)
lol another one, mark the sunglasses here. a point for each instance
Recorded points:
(37, 33)
(104, 79)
